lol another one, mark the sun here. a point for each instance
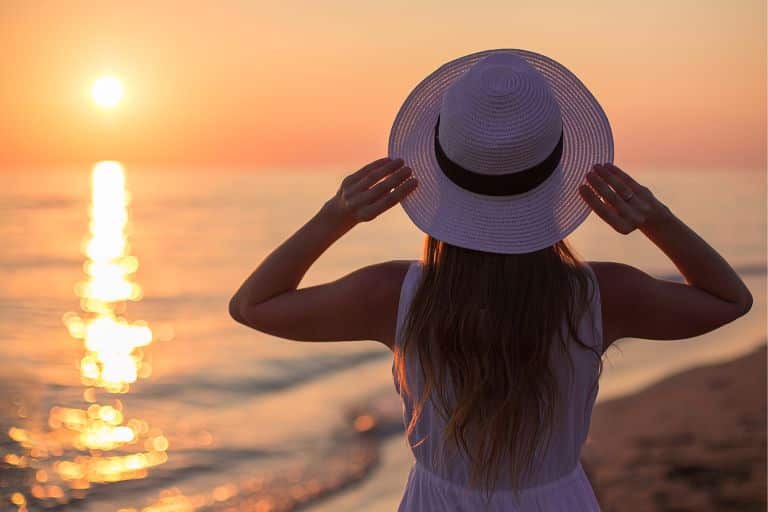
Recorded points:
(107, 91)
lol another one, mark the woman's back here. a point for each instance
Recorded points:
(558, 483)
(508, 152)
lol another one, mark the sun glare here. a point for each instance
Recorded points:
(107, 91)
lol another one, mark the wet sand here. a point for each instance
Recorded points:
(693, 441)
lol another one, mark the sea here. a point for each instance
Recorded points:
(127, 386)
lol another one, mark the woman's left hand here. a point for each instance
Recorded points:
(370, 191)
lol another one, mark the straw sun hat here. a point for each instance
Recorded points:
(499, 141)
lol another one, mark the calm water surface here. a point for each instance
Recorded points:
(128, 387)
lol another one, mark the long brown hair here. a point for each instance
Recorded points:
(483, 325)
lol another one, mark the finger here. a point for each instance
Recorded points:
(382, 187)
(605, 212)
(375, 175)
(629, 180)
(389, 200)
(610, 195)
(357, 175)
(618, 183)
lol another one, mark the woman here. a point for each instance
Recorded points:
(498, 332)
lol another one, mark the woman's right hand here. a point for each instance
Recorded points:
(621, 201)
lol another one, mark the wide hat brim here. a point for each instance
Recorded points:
(520, 223)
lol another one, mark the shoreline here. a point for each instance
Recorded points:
(694, 440)
(669, 446)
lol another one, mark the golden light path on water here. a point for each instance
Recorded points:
(93, 440)
(97, 443)
(113, 358)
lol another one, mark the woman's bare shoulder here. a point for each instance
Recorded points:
(613, 278)
(635, 304)
(387, 280)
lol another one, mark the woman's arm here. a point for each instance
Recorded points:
(283, 269)
(700, 264)
(269, 300)
(638, 305)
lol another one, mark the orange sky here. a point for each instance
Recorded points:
(251, 85)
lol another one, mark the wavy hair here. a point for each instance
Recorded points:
(483, 326)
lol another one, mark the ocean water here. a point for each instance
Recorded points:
(126, 386)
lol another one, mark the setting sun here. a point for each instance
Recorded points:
(107, 91)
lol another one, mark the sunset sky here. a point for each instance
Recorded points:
(316, 84)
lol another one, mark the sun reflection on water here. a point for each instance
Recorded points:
(89, 440)
(97, 443)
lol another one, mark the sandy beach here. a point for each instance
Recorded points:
(693, 441)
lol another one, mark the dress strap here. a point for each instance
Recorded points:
(595, 306)
(407, 290)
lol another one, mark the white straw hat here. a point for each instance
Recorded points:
(499, 141)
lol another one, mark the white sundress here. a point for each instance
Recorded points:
(559, 485)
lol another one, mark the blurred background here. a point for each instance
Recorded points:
(152, 153)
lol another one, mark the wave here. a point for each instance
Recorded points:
(351, 457)
(194, 388)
